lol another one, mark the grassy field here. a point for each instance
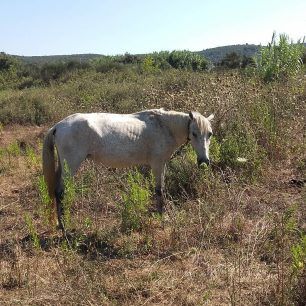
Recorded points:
(233, 233)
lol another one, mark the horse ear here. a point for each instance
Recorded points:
(191, 115)
(210, 117)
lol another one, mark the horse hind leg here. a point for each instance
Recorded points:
(59, 196)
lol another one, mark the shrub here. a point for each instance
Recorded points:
(149, 65)
(231, 60)
(8, 71)
(239, 150)
(161, 60)
(281, 59)
(7, 62)
(187, 60)
(107, 63)
(136, 201)
(183, 175)
(54, 71)
(25, 109)
(128, 58)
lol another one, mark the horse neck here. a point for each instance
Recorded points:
(177, 122)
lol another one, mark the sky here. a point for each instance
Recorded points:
(110, 27)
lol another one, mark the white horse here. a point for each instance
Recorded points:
(148, 138)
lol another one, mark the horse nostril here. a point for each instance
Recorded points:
(203, 160)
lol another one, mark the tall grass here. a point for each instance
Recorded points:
(281, 59)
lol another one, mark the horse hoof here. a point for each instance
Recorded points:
(60, 227)
(156, 210)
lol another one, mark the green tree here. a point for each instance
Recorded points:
(7, 62)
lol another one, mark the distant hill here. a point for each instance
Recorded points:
(215, 55)
(57, 58)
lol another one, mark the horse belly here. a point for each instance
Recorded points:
(121, 154)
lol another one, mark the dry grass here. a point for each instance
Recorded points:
(225, 238)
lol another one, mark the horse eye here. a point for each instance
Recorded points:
(194, 134)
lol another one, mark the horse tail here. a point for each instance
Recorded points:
(48, 162)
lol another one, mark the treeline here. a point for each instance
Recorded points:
(18, 74)
(15, 73)
(280, 59)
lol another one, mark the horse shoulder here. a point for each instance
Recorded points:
(162, 141)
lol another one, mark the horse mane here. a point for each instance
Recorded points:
(202, 124)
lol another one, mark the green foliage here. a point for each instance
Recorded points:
(69, 195)
(107, 63)
(32, 230)
(215, 150)
(13, 149)
(231, 60)
(136, 201)
(239, 150)
(32, 158)
(128, 58)
(161, 60)
(25, 109)
(54, 71)
(187, 60)
(183, 175)
(281, 59)
(176, 59)
(7, 62)
(234, 60)
(298, 252)
(149, 65)
(8, 70)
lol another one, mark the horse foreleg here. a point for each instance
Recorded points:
(159, 175)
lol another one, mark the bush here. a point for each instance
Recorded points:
(106, 64)
(24, 110)
(54, 71)
(187, 60)
(240, 151)
(8, 71)
(231, 60)
(176, 59)
(7, 62)
(161, 60)
(281, 59)
(136, 201)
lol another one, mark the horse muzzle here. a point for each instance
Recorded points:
(203, 161)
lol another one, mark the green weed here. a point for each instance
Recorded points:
(45, 207)
(298, 252)
(136, 201)
(31, 157)
(32, 230)
(13, 149)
